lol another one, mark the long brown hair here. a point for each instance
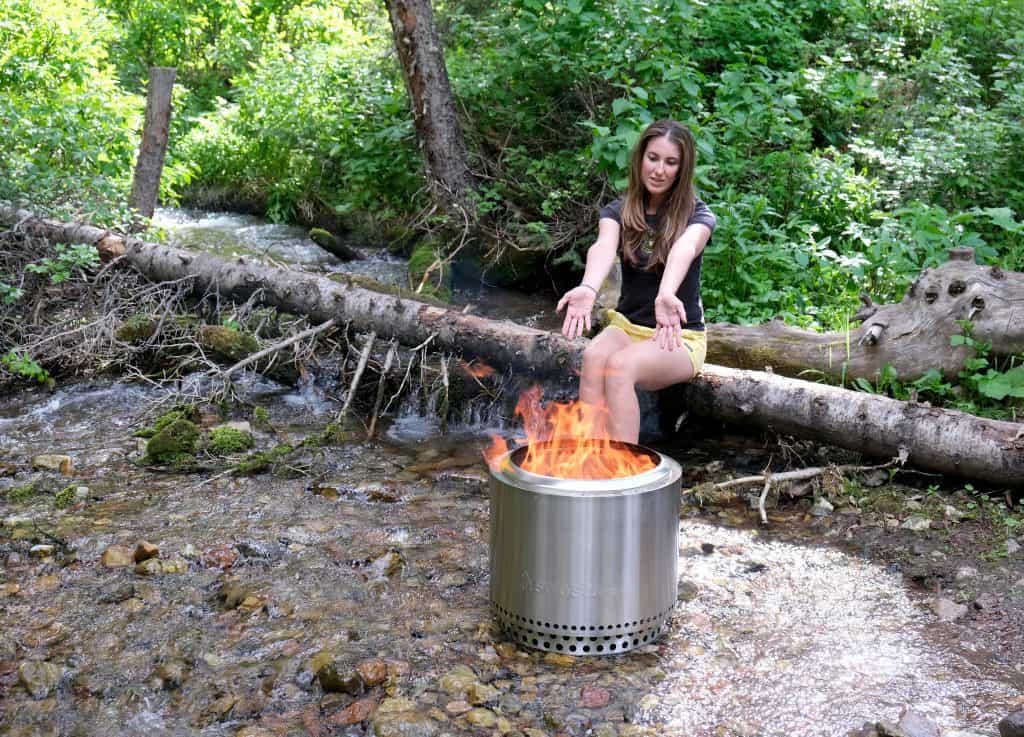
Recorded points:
(675, 212)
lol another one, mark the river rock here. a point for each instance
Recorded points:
(53, 462)
(483, 718)
(373, 672)
(915, 724)
(354, 713)
(117, 556)
(455, 708)
(1012, 547)
(1012, 725)
(948, 610)
(41, 551)
(149, 567)
(916, 523)
(40, 679)
(171, 674)
(221, 556)
(479, 694)
(822, 507)
(117, 592)
(339, 679)
(144, 551)
(404, 723)
(457, 681)
(594, 697)
(566, 661)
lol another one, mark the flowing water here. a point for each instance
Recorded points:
(382, 557)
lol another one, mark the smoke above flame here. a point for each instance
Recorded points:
(567, 440)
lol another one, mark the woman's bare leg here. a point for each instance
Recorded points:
(592, 377)
(643, 365)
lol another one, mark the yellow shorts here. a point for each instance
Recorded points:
(696, 341)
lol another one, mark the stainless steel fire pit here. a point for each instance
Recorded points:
(584, 567)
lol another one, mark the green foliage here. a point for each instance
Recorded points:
(843, 146)
(980, 388)
(22, 365)
(66, 127)
(67, 260)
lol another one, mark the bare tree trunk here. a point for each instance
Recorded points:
(430, 97)
(150, 164)
(940, 440)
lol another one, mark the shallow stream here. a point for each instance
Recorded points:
(384, 556)
(380, 561)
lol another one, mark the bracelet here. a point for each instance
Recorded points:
(584, 284)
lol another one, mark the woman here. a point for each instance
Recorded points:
(655, 337)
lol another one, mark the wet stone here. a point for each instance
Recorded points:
(171, 674)
(484, 718)
(405, 723)
(117, 592)
(594, 697)
(40, 679)
(117, 556)
(455, 708)
(373, 672)
(948, 610)
(144, 551)
(149, 567)
(354, 713)
(1012, 725)
(52, 462)
(479, 694)
(221, 557)
(457, 681)
(916, 523)
(344, 681)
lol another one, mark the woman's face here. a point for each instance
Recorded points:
(660, 167)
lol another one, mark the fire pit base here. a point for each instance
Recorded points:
(584, 567)
(582, 640)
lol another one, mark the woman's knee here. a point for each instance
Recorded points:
(619, 369)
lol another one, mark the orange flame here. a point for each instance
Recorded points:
(476, 370)
(567, 440)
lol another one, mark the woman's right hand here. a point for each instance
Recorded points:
(578, 304)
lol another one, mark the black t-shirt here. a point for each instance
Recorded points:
(640, 287)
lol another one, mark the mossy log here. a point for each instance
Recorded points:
(940, 440)
(334, 245)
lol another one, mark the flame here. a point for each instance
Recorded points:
(476, 370)
(567, 440)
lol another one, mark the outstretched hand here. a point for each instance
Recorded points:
(579, 302)
(670, 316)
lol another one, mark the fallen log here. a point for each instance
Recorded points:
(912, 336)
(932, 439)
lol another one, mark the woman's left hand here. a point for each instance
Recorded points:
(670, 316)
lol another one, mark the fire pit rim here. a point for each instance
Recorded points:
(667, 471)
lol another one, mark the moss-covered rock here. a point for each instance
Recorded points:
(175, 441)
(224, 440)
(22, 493)
(438, 284)
(178, 413)
(136, 328)
(262, 461)
(65, 497)
(224, 341)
